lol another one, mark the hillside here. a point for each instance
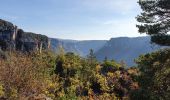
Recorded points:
(79, 47)
(122, 48)
(126, 49)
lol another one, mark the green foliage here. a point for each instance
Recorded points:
(63, 76)
(85, 77)
(69, 96)
(154, 68)
(154, 75)
(23, 74)
(110, 66)
(37, 75)
(155, 18)
(91, 58)
(1, 90)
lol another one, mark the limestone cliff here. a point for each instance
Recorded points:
(12, 38)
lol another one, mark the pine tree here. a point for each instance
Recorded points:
(156, 20)
(92, 58)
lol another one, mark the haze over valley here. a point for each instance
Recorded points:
(120, 49)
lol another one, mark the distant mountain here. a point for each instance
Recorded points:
(120, 49)
(126, 49)
(79, 47)
(85, 46)
(68, 45)
(123, 48)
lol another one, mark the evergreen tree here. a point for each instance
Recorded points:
(105, 59)
(92, 58)
(156, 20)
(154, 78)
(59, 62)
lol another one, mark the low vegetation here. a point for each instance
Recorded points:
(65, 76)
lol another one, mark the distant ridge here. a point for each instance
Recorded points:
(120, 48)
(79, 47)
(126, 49)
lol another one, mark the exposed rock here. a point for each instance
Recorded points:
(12, 38)
(8, 33)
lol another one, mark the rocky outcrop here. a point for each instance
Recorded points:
(12, 38)
(8, 33)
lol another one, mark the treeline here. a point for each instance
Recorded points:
(64, 76)
(154, 68)
(67, 76)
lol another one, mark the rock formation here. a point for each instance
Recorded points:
(12, 38)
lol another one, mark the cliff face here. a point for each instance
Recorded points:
(7, 35)
(12, 38)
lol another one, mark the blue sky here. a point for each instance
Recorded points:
(74, 19)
